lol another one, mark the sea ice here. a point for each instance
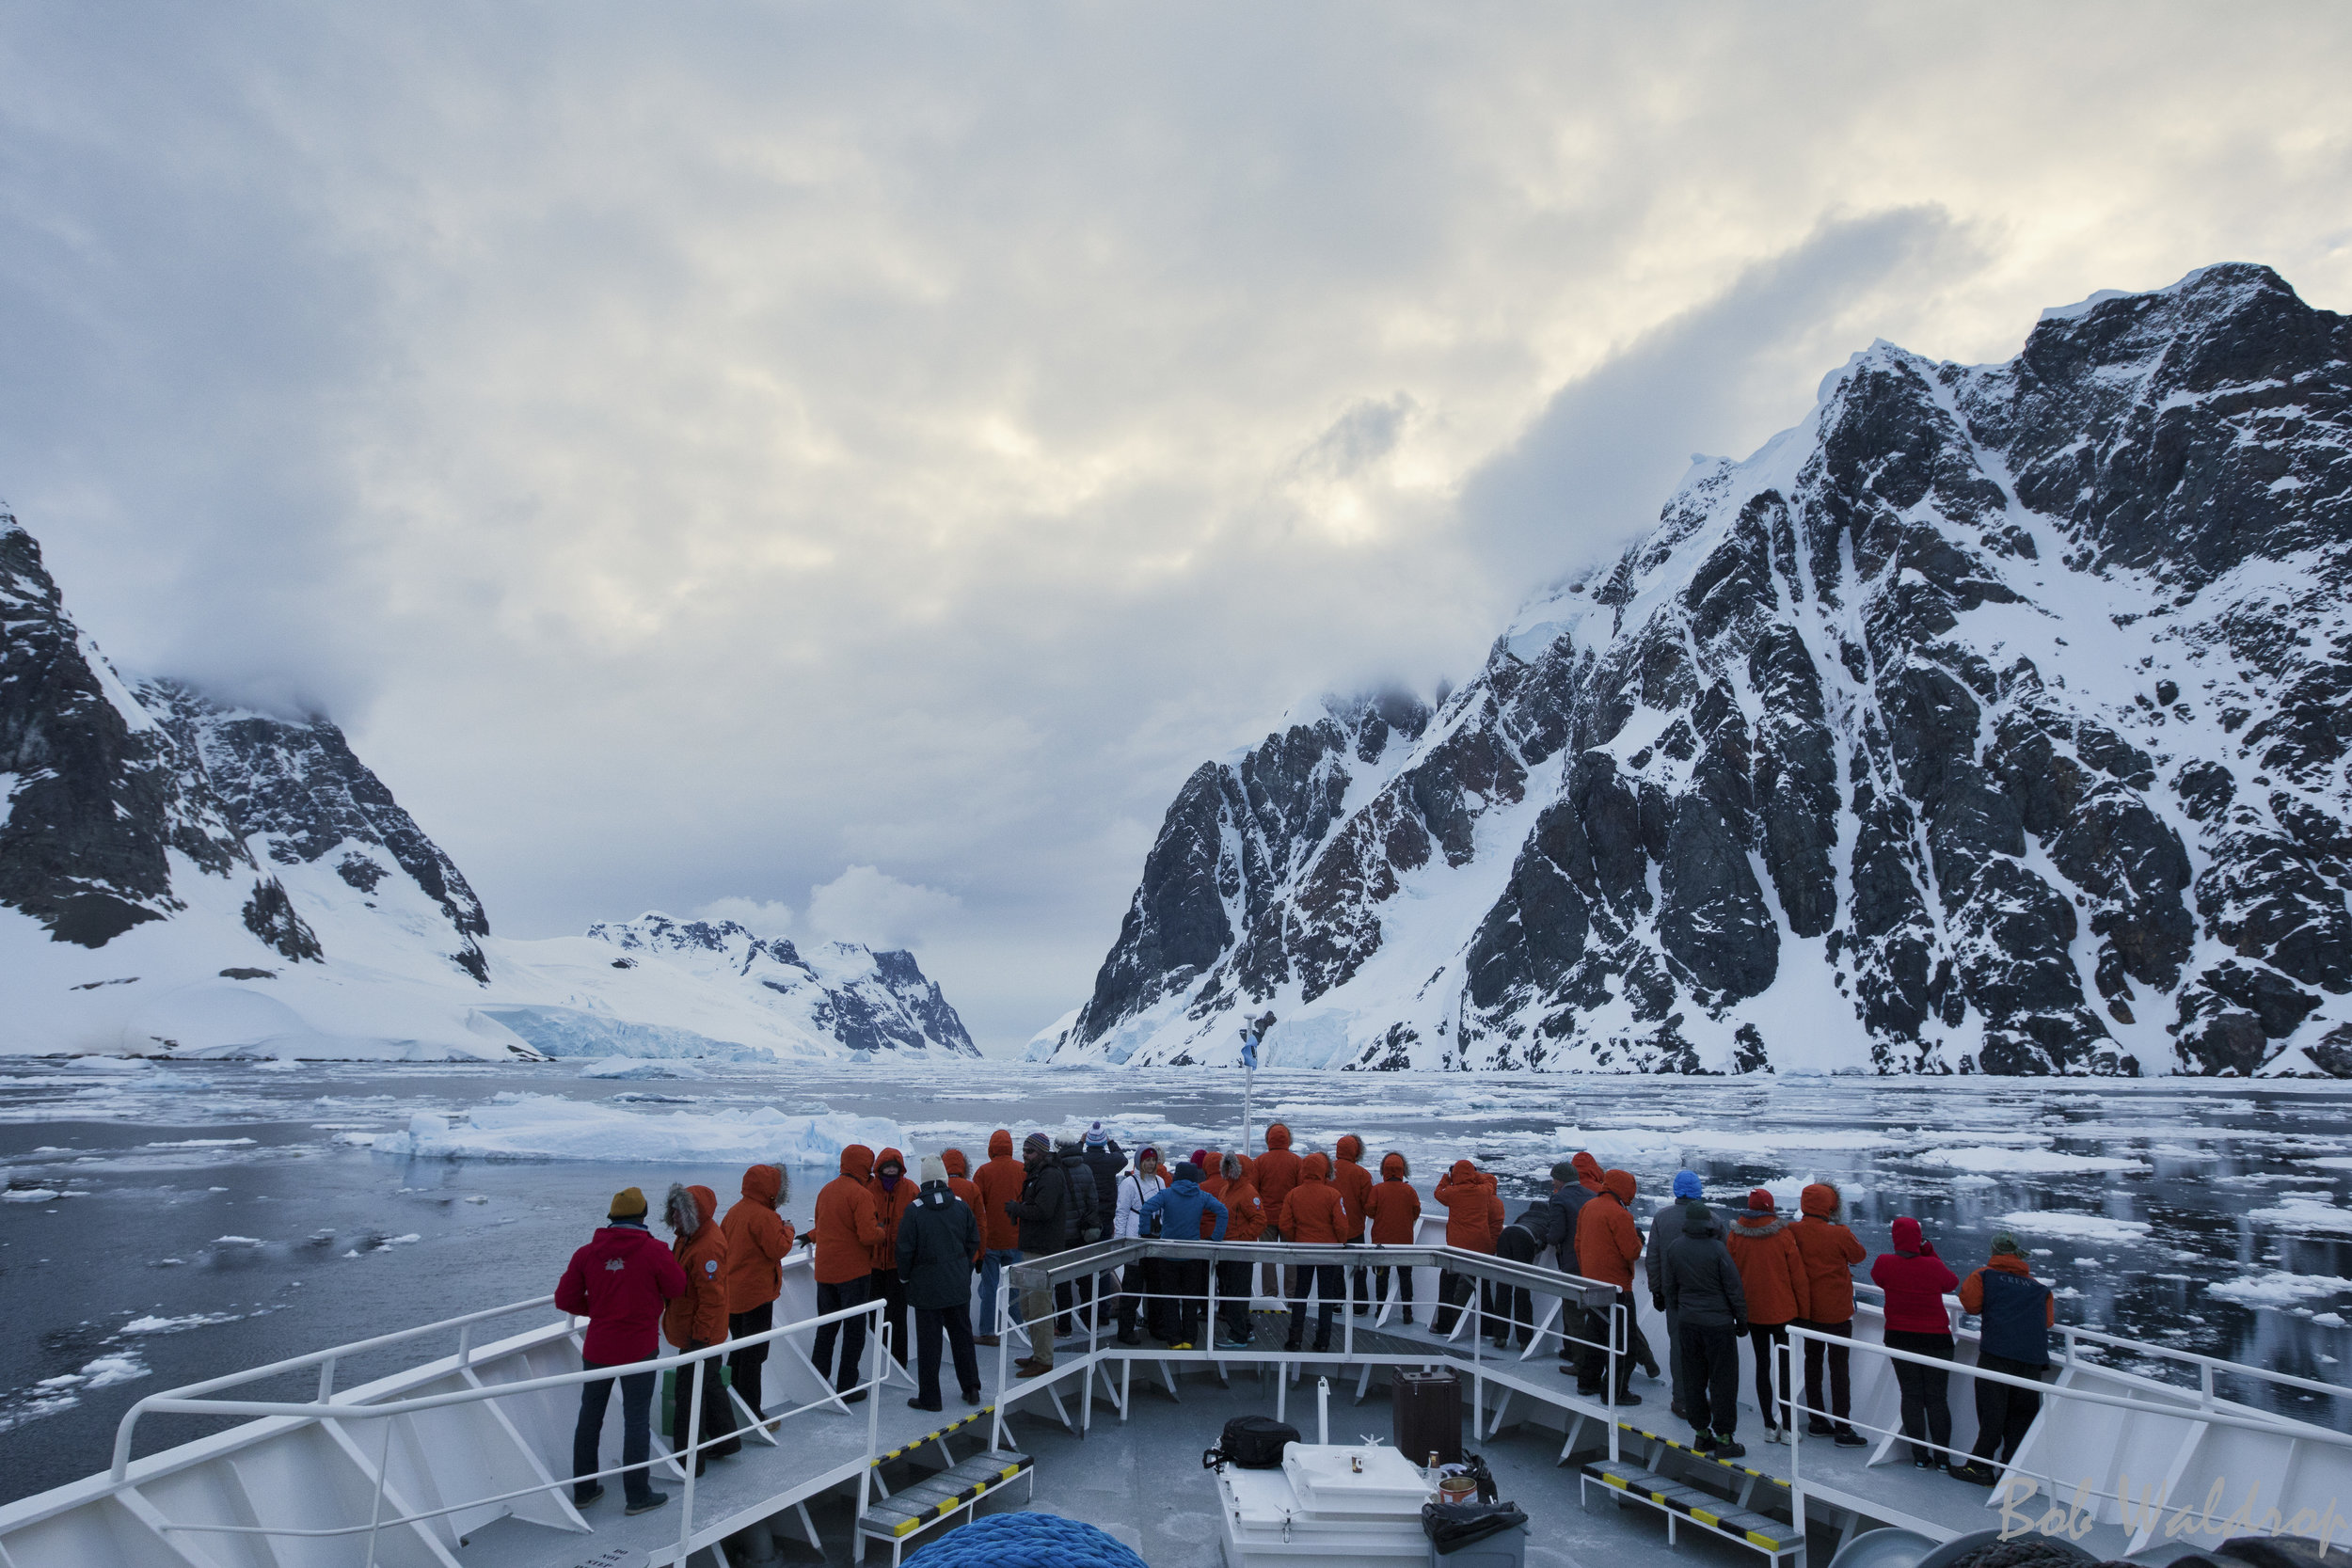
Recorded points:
(1986, 1159)
(2278, 1289)
(2303, 1213)
(2071, 1228)
(175, 1326)
(634, 1068)
(550, 1127)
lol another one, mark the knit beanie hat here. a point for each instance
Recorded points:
(1687, 1184)
(1759, 1200)
(1096, 1137)
(1199, 1160)
(2006, 1243)
(1148, 1152)
(628, 1204)
(1564, 1172)
(1188, 1172)
(1037, 1141)
(934, 1168)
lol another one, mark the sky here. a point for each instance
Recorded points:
(842, 467)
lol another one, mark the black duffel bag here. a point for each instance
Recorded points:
(1452, 1527)
(1250, 1442)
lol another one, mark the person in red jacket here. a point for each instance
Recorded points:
(1608, 1244)
(848, 1230)
(1245, 1221)
(1354, 1185)
(1314, 1211)
(1474, 1220)
(1276, 1174)
(1772, 1276)
(758, 1239)
(1000, 1182)
(1830, 1252)
(619, 1282)
(894, 1193)
(1914, 1280)
(1394, 1210)
(698, 1318)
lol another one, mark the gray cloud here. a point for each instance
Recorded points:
(700, 453)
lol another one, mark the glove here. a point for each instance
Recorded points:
(1657, 1302)
(1013, 1209)
(1739, 1329)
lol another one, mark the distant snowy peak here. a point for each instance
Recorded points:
(864, 1000)
(1991, 719)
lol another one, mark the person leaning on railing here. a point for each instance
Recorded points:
(2017, 1312)
(619, 1282)
(698, 1319)
(758, 1239)
(1914, 1280)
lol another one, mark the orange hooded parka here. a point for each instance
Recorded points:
(757, 1239)
(847, 1228)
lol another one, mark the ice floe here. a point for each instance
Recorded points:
(550, 1127)
(2072, 1228)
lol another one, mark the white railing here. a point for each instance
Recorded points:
(686, 1447)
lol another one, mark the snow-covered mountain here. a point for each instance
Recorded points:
(1993, 719)
(179, 877)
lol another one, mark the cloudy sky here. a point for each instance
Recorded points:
(845, 465)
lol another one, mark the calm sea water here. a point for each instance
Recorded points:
(209, 1216)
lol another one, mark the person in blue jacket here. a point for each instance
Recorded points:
(1179, 1207)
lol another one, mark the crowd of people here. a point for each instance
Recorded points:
(917, 1245)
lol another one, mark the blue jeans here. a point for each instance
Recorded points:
(636, 1431)
(992, 1264)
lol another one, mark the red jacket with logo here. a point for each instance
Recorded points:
(619, 1282)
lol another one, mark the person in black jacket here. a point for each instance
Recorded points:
(1663, 1227)
(937, 1239)
(1541, 1227)
(1085, 1229)
(1043, 1210)
(1703, 1293)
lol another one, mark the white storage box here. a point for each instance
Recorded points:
(1355, 1503)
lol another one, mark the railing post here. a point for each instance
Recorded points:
(1208, 1329)
(465, 1346)
(383, 1463)
(1347, 1312)
(2204, 1389)
(691, 1448)
(326, 1380)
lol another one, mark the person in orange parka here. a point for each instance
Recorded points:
(699, 1318)
(1354, 1185)
(1774, 1277)
(757, 1237)
(1830, 1252)
(847, 1229)
(1000, 1182)
(1394, 1210)
(1473, 1219)
(1245, 1221)
(1276, 1174)
(894, 1193)
(1608, 1242)
(1314, 1211)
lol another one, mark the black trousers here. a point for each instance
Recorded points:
(2003, 1413)
(885, 1285)
(1132, 1286)
(833, 1298)
(1514, 1309)
(1403, 1284)
(1768, 1340)
(1710, 1362)
(1840, 1373)
(1328, 1281)
(636, 1428)
(1187, 1281)
(1594, 1373)
(744, 1365)
(1232, 1299)
(718, 1420)
(1453, 1292)
(956, 1323)
(1926, 1418)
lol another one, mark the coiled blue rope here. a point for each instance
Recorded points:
(1024, 1541)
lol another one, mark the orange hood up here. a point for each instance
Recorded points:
(1587, 1170)
(764, 1185)
(1464, 1171)
(999, 1143)
(1820, 1200)
(1276, 1135)
(1352, 1149)
(890, 1157)
(858, 1160)
(1394, 1167)
(1316, 1167)
(1619, 1185)
(953, 1159)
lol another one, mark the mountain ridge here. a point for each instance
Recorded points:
(1854, 760)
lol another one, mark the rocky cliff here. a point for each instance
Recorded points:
(1993, 719)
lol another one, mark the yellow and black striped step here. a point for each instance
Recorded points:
(906, 1449)
(928, 1501)
(1757, 1529)
(1689, 1453)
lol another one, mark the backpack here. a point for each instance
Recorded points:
(1084, 1209)
(1251, 1443)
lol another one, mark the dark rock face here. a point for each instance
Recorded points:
(100, 794)
(1994, 720)
(866, 1000)
(295, 790)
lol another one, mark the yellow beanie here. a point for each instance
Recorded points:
(628, 1204)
